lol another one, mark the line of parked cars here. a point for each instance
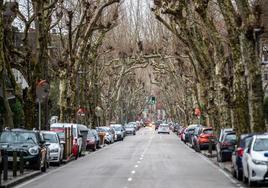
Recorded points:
(40, 149)
(248, 153)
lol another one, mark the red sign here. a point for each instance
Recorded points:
(197, 112)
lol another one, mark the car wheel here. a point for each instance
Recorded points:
(239, 175)
(245, 179)
(95, 147)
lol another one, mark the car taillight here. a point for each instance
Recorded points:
(203, 136)
(240, 152)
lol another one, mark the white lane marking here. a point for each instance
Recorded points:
(136, 166)
(141, 158)
(138, 161)
(133, 172)
(129, 179)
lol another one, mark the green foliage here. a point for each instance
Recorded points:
(18, 115)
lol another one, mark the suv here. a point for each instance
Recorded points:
(202, 137)
(225, 146)
(30, 143)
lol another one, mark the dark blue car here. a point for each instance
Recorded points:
(237, 167)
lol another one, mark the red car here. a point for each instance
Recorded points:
(91, 141)
(202, 138)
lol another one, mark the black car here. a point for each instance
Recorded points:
(226, 146)
(237, 167)
(30, 143)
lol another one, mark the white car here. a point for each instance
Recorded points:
(55, 146)
(163, 128)
(255, 160)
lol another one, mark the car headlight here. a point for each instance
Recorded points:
(259, 162)
(54, 150)
(34, 151)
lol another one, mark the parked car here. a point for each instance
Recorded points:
(176, 128)
(202, 138)
(255, 160)
(109, 135)
(130, 129)
(134, 124)
(97, 138)
(119, 131)
(55, 146)
(157, 123)
(91, 141)
(31, 143)
(225, 146)
(188, 132)
(79, 135)
(163, 128)
(237, 166)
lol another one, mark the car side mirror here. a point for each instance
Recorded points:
(80, 136)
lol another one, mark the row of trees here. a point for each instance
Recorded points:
(76, 47)
(216, 65)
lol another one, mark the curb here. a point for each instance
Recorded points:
(20, 180)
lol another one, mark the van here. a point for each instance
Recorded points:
(79, 133)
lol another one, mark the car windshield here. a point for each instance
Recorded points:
(50, 138)
(61, 135)
(261, 144)
(90, 134)
(208, 131)
(18, 137)
(117, 128)
(230, 137)
(129, 125)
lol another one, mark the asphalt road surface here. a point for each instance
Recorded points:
(147, 160)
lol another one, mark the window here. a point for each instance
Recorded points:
(265, 76)
(265, 53)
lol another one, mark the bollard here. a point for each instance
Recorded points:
(210, 146)
(15, 163)
(5, 165)
(21, 163)
(66, 144)
(1, 166)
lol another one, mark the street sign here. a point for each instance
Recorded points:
(42, 89)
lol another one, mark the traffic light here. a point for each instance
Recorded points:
(153, 100)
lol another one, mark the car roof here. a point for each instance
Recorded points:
(261, 136)
(48, 132)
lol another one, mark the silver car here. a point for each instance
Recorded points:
(130, 129)
(163, 128)
(119, 131)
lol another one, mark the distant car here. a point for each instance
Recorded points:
(119, 131)
(157, 123)
(203, 137)
(31, 143)
(91, 141)
(130, 129)
(237, 166)
(176, 128)
(97, 138)
(226, 146)
(55, 146)
(255, 160)
(163, 128)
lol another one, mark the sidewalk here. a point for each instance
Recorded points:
(12, 181)
(227, 166)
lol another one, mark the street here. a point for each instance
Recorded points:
(142, 161)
